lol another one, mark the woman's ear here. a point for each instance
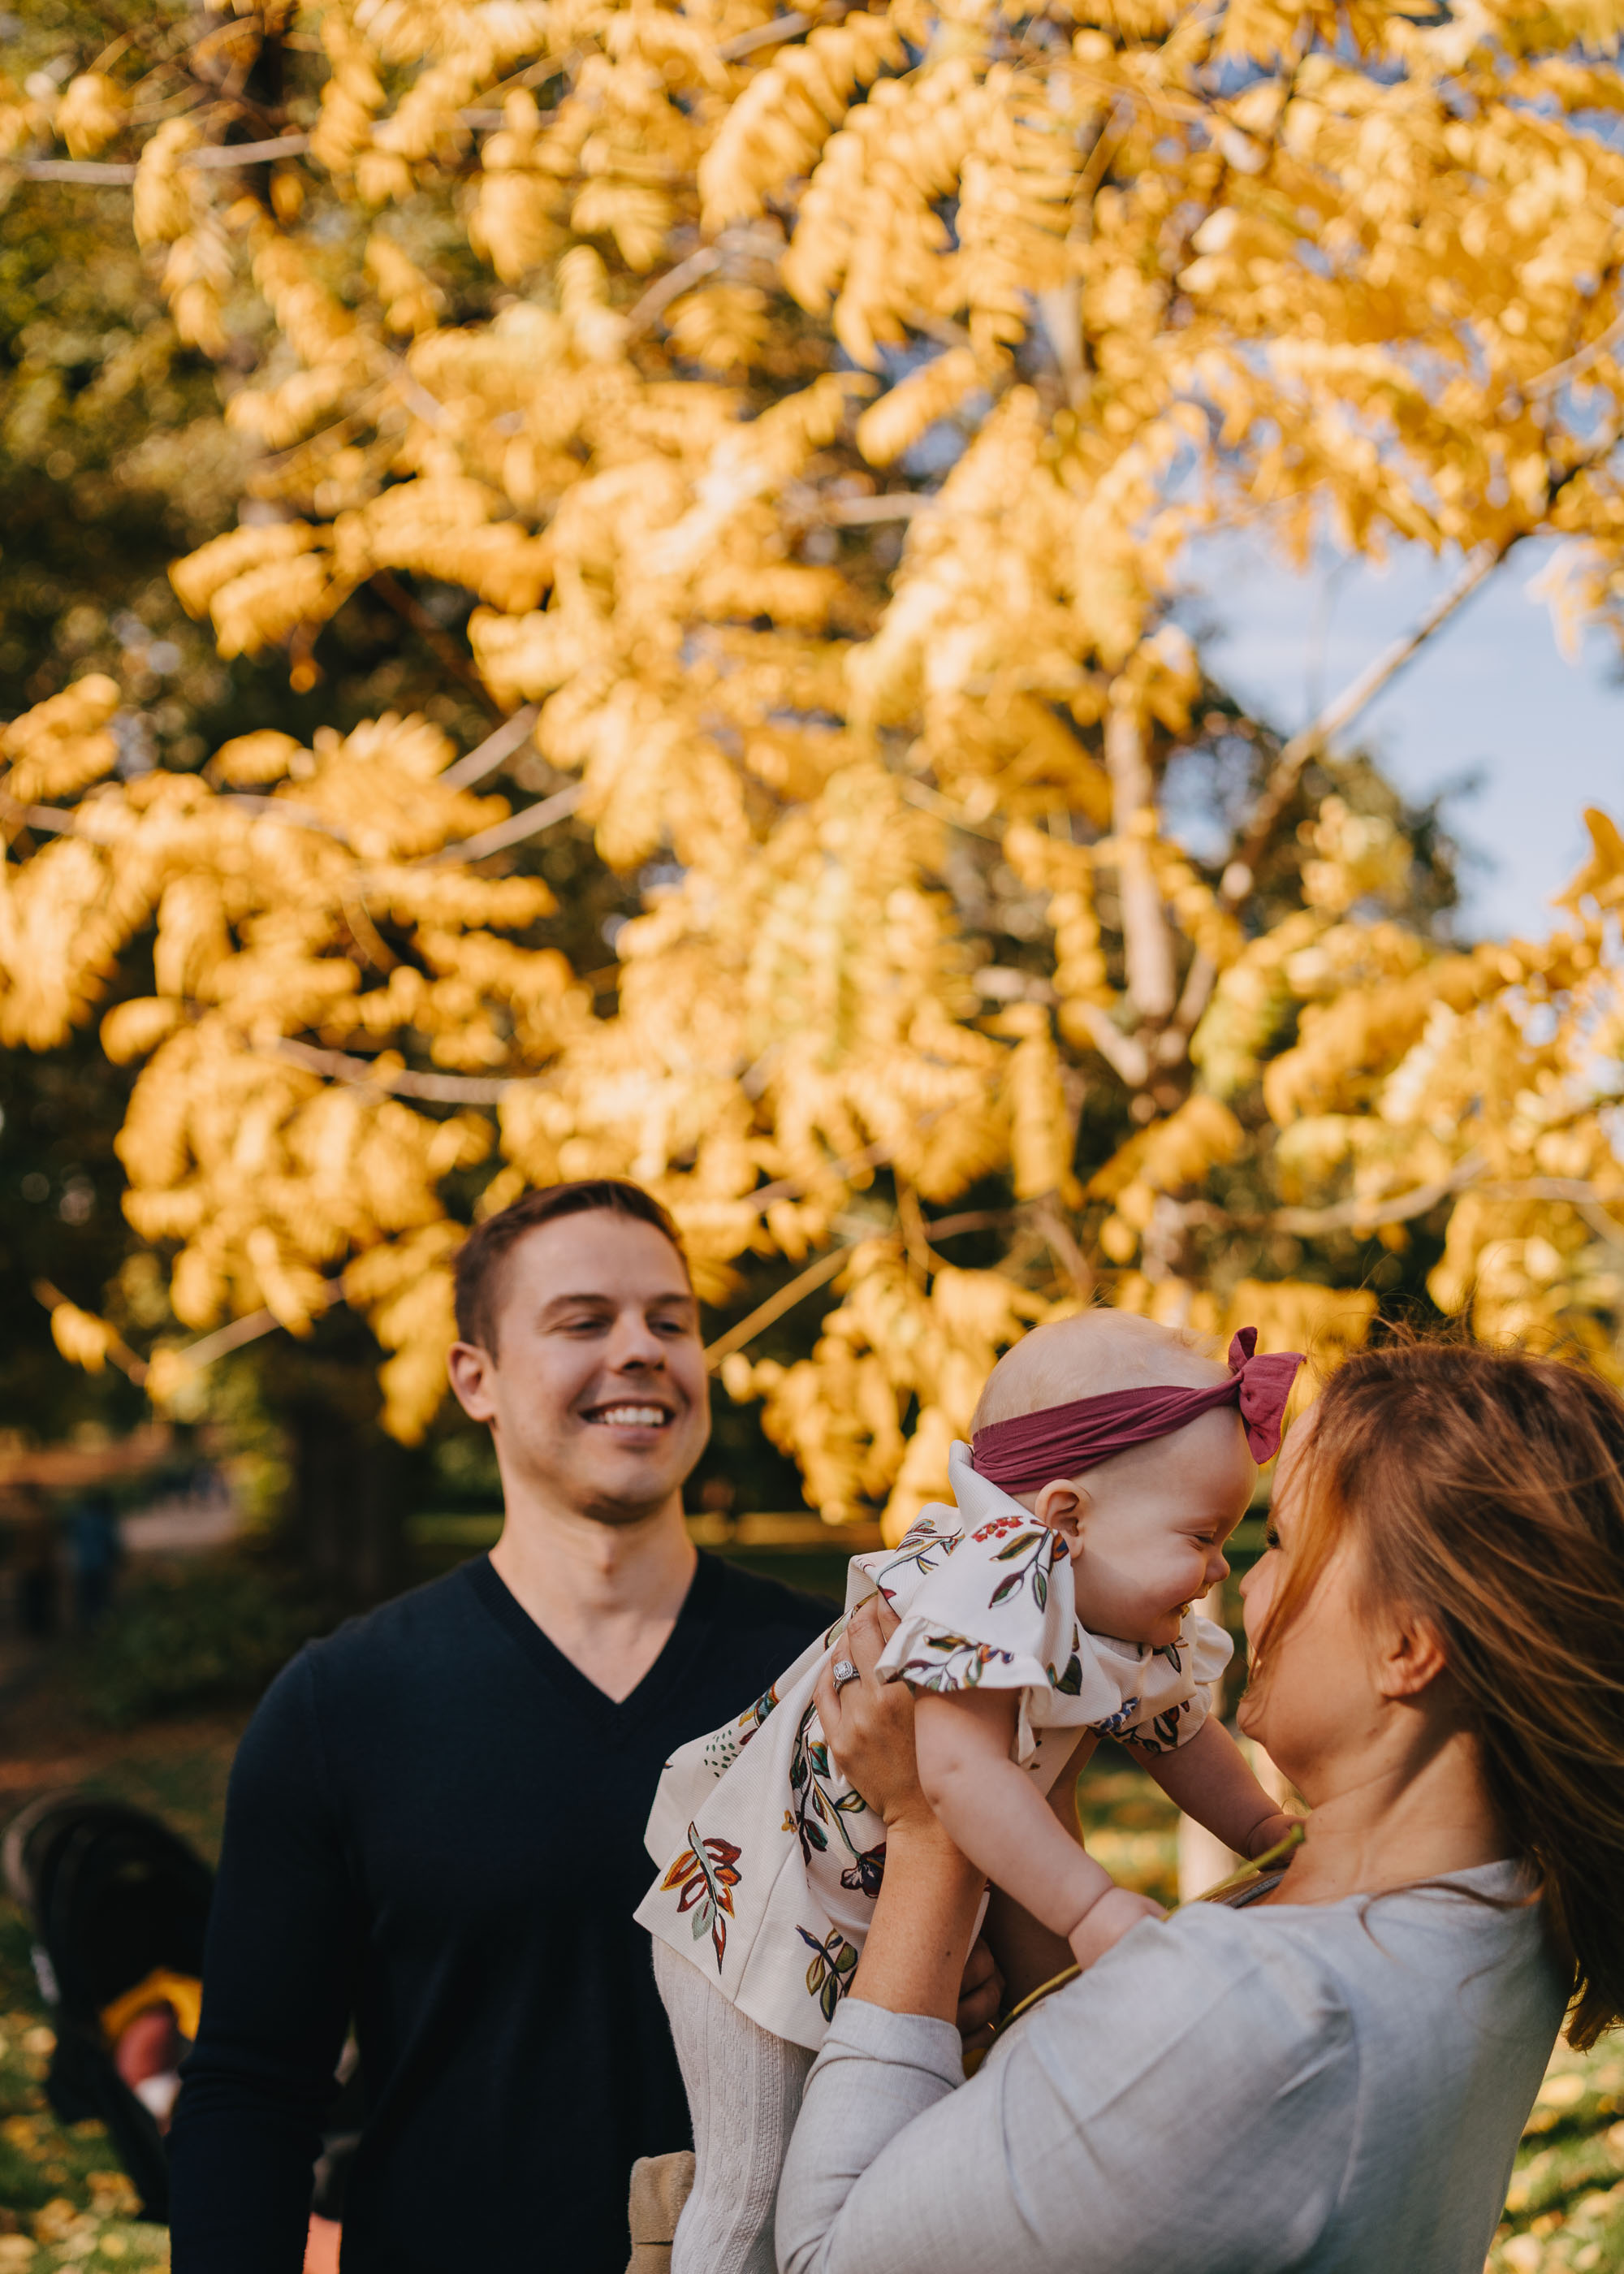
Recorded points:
(1412, 1657)
(1062, 1506)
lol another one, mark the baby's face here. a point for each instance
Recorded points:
(1148, 1539)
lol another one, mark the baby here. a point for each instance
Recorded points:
(1054, 1607)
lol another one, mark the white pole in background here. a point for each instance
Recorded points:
(1203, 1859)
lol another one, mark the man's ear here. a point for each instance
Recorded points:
(470, 1368)
(1062, 1506)
(1411, 1657)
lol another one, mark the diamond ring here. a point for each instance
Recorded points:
(842, 1671)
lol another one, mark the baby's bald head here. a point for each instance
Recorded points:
(1089, 1356)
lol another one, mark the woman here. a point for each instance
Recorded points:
(1333, 2076)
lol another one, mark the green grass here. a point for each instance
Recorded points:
(64, 2203)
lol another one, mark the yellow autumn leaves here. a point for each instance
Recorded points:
(821, 474)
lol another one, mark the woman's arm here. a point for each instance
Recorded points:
(924, 1915)
(1093, 2142)
(1096, 2140)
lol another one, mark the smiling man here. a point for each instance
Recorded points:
(435, 1820)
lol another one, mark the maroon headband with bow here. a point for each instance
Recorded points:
(1062, 1441)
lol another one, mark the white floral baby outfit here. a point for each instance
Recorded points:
(770, 1862)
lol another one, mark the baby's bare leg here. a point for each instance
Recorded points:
(744, 2089)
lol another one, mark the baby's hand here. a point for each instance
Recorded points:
(1107, 1921)
(1271, 1832)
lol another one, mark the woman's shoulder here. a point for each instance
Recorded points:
(1409, 1964)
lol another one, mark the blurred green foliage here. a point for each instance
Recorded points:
(198, 1635)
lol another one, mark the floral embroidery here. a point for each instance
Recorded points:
(814, 1803)
(1037, 1548)
(864, 1876)
(917, 1547)
(723, 1747)
(960, 1667)
(1070, 1685)
(829, 1977)
(1172, 1653)
(1114, 1724)
(999, 1525)
(707, 1871)
(1162, 1734)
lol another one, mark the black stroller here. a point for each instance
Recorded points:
(119, 1904)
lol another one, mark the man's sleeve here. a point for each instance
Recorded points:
(276, 1998)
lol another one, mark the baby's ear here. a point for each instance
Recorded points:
(1062, 1506)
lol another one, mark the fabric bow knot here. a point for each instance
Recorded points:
(1063, 1441)
(1264, 1385)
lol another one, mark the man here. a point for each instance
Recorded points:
(435, 1820)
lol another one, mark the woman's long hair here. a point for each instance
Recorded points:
(1484, 1490)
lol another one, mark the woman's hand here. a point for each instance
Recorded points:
(870, 1724)
(980, 1997)
(917, 1958)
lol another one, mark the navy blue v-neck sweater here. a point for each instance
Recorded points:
(435, 1825)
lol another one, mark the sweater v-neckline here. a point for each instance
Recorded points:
(618, 1714)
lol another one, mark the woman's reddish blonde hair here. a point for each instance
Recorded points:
(1485, 1490)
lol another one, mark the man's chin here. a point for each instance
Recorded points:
(627, 1485)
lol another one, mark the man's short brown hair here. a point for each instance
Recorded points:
(482, 1259)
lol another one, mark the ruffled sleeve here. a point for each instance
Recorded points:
(1000, 1613)
(1172, 1713)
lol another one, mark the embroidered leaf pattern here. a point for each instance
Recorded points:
(1070, 1685)
(864, 1877)
(723, 1746)
(1115, 1724)
(924, 1547)
(814, 1805)
(1162, 1735)
(829, 1977)
(1037, 1551)
(707, 1871)
(959, 1665)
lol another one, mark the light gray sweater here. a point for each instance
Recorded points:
(1337, 2088)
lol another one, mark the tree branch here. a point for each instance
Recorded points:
(528, 822)
(1239, 875)
(1361, 691)
(665, 289)
(397, 1082)
(495, 750)
(825, 1267)
(804, 1283)
(1366, 1213)
(434, 636)
(1147, 943)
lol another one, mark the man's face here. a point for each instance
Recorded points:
(596, 1393)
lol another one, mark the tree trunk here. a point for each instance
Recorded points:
(353, 1490)
(1146, 939)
